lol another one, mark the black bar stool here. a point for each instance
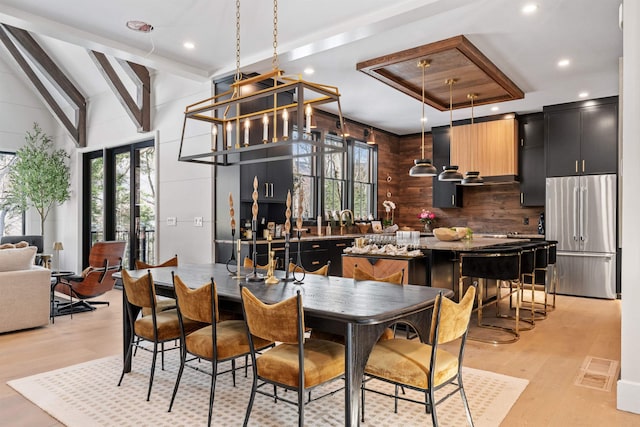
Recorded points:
(538, 280)
(553, 280)
(501, 264)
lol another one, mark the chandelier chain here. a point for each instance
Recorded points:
(238, 75)
(274, 61)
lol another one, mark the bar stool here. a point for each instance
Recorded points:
(503, 265)
(537, 280)
(553, 280)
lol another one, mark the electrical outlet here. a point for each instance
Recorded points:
(197, 221)
(525, 220)
(172, 221)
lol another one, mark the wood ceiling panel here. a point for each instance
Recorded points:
(455, 58)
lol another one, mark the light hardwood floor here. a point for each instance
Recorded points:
(549, 356)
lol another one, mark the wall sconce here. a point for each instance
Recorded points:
(345, 132)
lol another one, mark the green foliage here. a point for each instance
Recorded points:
(40, 176)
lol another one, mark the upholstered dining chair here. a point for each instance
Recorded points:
(426, 367)
(163, 303)
(395, 278)
(157, 328)
(248, 263)
(219, 341)
(322, 271)
(297, 363)
(105, 258)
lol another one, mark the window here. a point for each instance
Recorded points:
(11, 221)
(363, 180)
(344, 181)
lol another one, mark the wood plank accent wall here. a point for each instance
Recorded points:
(490, 208)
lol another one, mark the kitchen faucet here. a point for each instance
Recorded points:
(349, 217)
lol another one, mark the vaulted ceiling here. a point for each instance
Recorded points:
(332, 37)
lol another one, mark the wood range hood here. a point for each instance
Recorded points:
(491, 145)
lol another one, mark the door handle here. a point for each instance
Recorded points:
(575, 214)
(583, 194)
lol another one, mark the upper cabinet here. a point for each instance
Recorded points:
(446, 194)
(582, 137)
(490, 147)
(532, 175)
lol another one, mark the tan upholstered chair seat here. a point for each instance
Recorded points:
(407, 362)
(168, 327)
(161, 305)
(324, 360)
(232, 341)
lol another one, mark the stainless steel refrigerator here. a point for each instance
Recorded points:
(580, 213)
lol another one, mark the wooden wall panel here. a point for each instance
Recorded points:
(489, 208)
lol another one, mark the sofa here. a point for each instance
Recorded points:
(25, 289)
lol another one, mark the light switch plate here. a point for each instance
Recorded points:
(197, 221)
(172, 221)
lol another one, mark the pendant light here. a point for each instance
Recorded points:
(422, 166)
(472, 177)
(450, 172)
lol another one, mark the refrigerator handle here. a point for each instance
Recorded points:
(583, 195)
(575, 214)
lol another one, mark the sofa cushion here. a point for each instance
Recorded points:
(17, 259)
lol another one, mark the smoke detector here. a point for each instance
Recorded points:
(141, 26)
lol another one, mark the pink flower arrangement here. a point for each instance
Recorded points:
(426, 217)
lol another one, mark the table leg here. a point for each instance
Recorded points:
(126, 330)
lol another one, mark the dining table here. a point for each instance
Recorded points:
(358, 310)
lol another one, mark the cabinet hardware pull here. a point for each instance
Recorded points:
(453, 199)
(340, 245)
(576, 166)
(271, 187)
(522, 198)
(315, 246)
(315, 262)
(583, 165)
(266, 189)
(277, 249)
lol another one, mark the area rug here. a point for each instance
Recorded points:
(87, 395)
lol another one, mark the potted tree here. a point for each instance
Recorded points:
(39, 177)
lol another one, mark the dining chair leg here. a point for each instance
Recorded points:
(464, 401)
(162, 355)
(153, 368)
(432, 399)
(178, 378)
(254, 387)
(301, 394)
(212, 393)
(233, 371)
(395, 403)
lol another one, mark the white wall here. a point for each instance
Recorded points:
(20, 107)
(629, 383)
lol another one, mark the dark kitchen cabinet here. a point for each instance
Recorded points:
(275, 178)
(446, 194)
(532, 173)
(581, 138)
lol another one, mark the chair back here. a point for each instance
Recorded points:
(139, 292)
(171, 262)
(274, 322)
(197, 304)
(105, 259)
(501, 263)
(450, 320)
(395, 278)
(322, 271)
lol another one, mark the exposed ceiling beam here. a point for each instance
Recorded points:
(12, 37)
(139, 110)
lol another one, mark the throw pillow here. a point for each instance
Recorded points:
(18, 258)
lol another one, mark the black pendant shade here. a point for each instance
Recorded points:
(423, 167)
(450, 173)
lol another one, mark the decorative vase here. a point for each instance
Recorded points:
(427, 227)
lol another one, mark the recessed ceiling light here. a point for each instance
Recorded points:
(529, 8)
(141, 26)
(309, 70)
(564, 63)
(495, 108)
(189, 45)
(583, 94)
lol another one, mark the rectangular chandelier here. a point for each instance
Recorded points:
(238, 126)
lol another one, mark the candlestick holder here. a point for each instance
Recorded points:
(298, 268)
(287, 259)
(235, 248)
(254, 276)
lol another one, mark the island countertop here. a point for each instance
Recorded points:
(433, 243)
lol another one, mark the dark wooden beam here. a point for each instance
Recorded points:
(140, 114)
(54, 74)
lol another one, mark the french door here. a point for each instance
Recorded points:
(119, 203)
